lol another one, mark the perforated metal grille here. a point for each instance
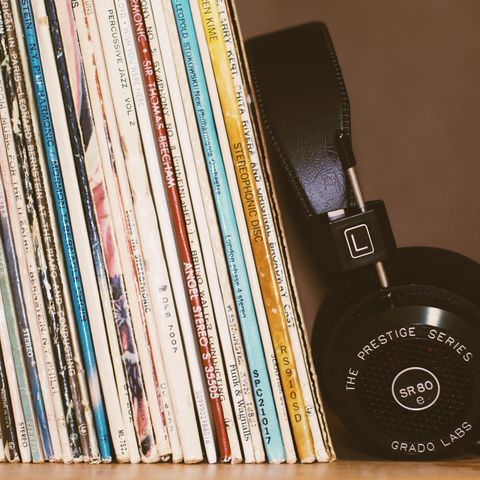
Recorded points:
(457, 380)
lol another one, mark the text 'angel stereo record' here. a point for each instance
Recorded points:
(396, 342)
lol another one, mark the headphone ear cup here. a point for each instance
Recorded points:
(436, 267)
(449, 271)
(418, 277)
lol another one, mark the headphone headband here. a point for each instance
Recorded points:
(304, 103)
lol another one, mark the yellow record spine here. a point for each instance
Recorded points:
(257, 232)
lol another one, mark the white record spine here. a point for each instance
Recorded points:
(290, 453)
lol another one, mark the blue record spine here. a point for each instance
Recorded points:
(64, 222)
(266, 410)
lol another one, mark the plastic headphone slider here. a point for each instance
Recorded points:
(356, 238)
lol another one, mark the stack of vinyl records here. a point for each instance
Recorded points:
(148, 311)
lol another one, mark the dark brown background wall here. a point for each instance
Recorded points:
(412, 69)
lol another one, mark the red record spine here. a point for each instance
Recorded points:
(175, 205)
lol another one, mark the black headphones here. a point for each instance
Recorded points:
(396, 343)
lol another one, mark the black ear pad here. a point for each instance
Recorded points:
(449, 271)
(427, 323)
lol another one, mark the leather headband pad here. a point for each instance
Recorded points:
(303, 103)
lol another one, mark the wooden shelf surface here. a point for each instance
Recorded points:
(446, 470)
